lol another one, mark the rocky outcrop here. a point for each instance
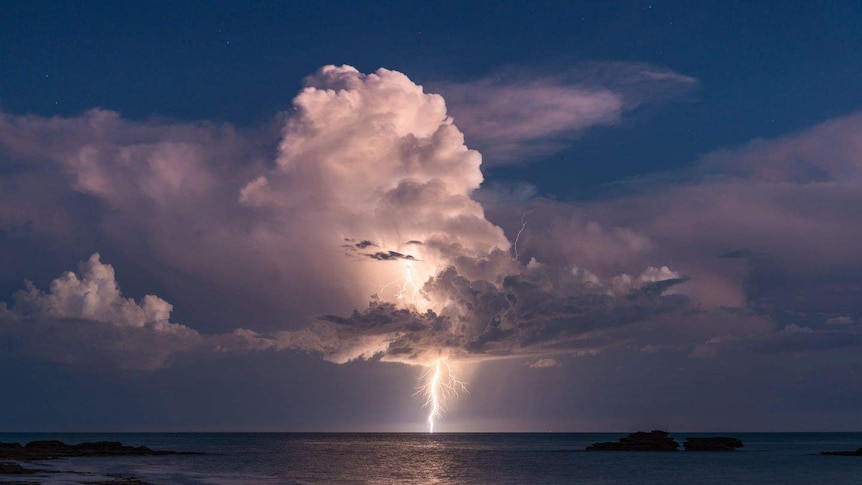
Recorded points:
(86, 478)
(712, 443)
(15, 469)
(655, 440)
(842, 453)
(50, 449)
(118, 481)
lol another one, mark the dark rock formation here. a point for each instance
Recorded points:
(713, 443)
(842, 453)
(118, 481)
(15, 469)
(10, 447)
(50, 449)
(655, 440)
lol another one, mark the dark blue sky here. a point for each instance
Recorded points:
(764, 68)
(683, 179)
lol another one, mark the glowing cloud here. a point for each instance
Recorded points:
(378, 163)
(368, 204)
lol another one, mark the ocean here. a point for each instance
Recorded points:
(460, 458)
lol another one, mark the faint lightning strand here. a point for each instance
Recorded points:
(518, 236)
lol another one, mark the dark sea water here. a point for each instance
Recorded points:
(301, 458)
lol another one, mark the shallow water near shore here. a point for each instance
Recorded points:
(462, 458)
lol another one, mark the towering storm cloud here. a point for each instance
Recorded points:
(377, 171)
(375, 163)
(366, 204)
(350, 227)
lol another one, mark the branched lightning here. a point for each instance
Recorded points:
(441, 383)
(408, 284)
(407, 289)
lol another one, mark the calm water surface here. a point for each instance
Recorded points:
(299, 458)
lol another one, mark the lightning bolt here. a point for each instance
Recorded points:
(434, 395)
(440, 380)
(441, 384)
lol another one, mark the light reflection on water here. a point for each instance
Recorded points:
(459, 459)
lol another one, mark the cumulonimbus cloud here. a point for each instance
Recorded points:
(369, 194)
(352, 230)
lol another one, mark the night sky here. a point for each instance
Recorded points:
(277, 216)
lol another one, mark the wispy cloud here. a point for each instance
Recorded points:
(544, 363)
(517, 116)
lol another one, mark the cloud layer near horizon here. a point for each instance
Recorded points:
(352, 231)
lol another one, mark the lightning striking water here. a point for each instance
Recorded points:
(440, 381)
(441, 384)
(434, 391)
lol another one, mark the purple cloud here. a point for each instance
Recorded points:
(354, 230)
